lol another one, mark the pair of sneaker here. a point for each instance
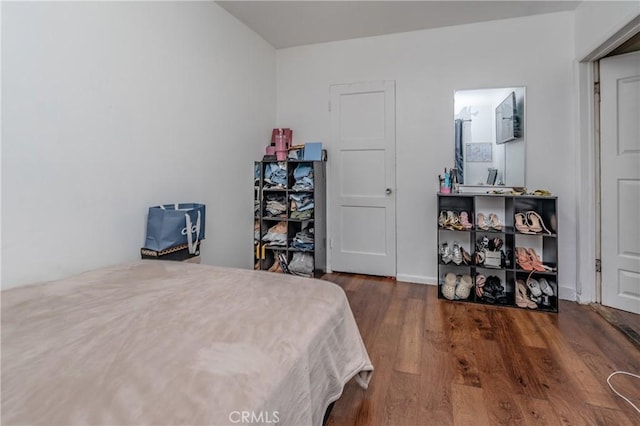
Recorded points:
(539, 287)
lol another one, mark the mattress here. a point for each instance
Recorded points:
(158, 342)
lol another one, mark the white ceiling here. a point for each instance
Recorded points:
(295, 23)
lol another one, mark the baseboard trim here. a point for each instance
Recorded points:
(417, 279)
(567, 293)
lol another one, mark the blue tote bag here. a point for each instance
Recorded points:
(171, 225)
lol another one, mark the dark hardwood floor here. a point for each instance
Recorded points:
(441, 363)
(625, 322)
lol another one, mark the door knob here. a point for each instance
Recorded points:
(388, 191)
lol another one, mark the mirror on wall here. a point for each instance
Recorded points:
(490, 136)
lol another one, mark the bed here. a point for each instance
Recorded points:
(158, 342)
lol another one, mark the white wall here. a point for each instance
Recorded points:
(596, 21)
(109, 108)
(535, 52)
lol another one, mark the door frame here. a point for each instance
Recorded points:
(588, 289)
(330, 183)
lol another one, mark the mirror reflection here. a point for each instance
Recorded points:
(490, 136)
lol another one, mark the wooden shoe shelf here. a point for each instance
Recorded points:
(505, 208)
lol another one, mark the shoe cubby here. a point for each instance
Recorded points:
(460, 285)
(545, 207)
(493, 288)
(283, 190)
(455, 248)
(499, 227)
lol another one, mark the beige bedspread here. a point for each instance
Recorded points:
(162, 343)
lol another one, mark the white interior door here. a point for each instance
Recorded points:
(363, 178)
(620, 181)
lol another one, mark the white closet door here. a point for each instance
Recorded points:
(620, 180)
(362, 159)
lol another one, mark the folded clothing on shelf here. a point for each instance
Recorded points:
(276, 205)
(301, 264)
(303, 240)
(277, 235)
(303, 175)
(256, 230)
(276, 174)
(301, 202)
(256, 174)
(302, 215)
